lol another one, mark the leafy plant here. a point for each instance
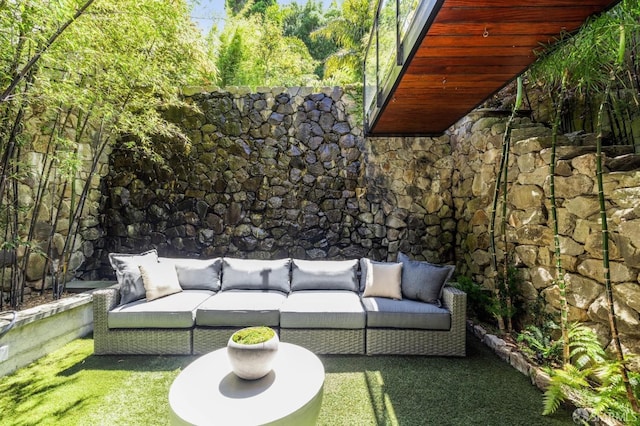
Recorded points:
(74, 76)
(504, 308)
(254, 51)
(507, 300)
(592, 379)
(479, 298)
(538, 344)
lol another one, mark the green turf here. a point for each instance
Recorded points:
(73, 387)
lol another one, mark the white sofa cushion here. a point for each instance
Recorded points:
(174, 311)
(240, 308)
(335, 309)
(324, 275)
(159, 280)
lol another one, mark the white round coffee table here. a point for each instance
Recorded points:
(207, 392)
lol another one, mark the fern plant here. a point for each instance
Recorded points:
(592, 380)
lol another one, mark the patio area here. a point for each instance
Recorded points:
(72, 386)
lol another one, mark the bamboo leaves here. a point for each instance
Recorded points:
(75, 75)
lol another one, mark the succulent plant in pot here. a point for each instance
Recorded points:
(251, 351)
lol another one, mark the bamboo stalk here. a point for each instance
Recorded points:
(564, 308)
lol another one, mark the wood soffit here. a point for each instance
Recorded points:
(473, 49)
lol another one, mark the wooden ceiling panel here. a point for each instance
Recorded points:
(472, 49)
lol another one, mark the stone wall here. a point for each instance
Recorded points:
(476, 147)
(280, 172)
(41, 145)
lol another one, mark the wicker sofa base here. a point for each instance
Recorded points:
(147, 341)
(326, 341)
(382, 341)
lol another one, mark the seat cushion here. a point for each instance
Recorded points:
(240, 308)
(324, 275)
(173, 311)
(412, 314)
(322, 309)
(251, 274)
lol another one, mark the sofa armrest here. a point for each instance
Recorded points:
(104, 300)
(455, 300)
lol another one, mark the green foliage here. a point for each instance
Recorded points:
(87, 78)
(253, 51)
(591, 379)
(539, 345)
(479, 299)
(253, 335)
(300, 21)
(508, 300)
(235, 7)
(587, 59)
(349, 31)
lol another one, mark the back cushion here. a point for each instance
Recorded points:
(127, 268)
(324, 275)
(250, 274)
(197, 274)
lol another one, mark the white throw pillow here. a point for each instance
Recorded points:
(383, 280)
(159, 280)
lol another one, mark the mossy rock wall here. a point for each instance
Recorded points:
(279, 173)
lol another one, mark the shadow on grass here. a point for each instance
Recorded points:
(140, 363)
(479, 389)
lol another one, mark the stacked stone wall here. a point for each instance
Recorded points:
(529, 230)
(281, 172)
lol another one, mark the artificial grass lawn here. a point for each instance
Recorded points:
(73, 387)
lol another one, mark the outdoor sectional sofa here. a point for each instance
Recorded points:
(189, 306)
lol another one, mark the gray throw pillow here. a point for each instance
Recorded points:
(423, 281)
(127, 268)
(197, 274)
(324, 275)
(250, 274)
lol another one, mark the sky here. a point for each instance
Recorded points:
(207, 12)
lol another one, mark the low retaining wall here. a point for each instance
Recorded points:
(43, 329)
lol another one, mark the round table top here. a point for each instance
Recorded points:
(207, 391)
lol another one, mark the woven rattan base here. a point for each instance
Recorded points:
(206, 339)
(414, 342)
(326, 341)
(144, 342)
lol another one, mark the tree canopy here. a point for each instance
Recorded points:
(294, 44)
(254, 51)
